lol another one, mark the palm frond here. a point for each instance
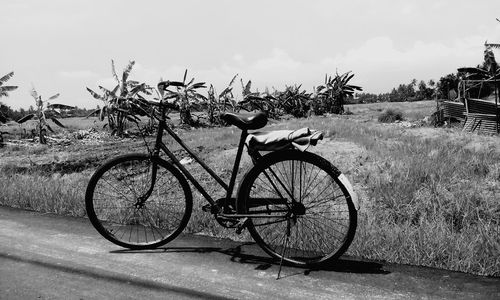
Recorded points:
(6, 77)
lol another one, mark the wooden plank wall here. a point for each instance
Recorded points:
(482, 117)
(454, 110)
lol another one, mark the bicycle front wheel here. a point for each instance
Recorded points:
(129, 209)
(302, 212)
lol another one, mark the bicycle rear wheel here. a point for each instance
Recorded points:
(304, 214)
(129, 210)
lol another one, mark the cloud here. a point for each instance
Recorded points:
(279, 60)
(78, 74)
(379, 64)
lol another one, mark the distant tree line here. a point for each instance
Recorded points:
(413, 91)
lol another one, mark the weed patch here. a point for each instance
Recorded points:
(390, 116)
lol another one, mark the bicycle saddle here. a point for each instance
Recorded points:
(245, 122)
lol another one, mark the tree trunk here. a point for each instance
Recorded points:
(185, 113)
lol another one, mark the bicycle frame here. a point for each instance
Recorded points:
(229, 188)
(159, 145)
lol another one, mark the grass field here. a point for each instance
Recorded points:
(429, 196)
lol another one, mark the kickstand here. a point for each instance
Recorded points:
(285, 245)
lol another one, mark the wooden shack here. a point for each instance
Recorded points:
(478, 91)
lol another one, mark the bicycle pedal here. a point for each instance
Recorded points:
(241, 225)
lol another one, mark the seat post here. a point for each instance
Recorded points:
(237, 160)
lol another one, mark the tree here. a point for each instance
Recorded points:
(264, 102)
(446, 85)
(220, 103)
(295, 102)
(124, 102)
(425, 92)
(4, 92)
(334, 92)
(185, 97)
(44, 112)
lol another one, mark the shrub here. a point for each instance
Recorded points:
(390, 116)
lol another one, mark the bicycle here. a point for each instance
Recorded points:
(296, 205)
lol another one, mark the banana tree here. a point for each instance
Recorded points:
(294, 101)
(259, 101)
(220, 103)
(331, 96)
(44, 112)
(184, 96)
(122, 103)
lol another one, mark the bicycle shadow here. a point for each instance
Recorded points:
(238, 254)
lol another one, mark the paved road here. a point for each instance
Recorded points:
(45, 256)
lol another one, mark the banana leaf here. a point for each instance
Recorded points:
(49, 128)
(9, 88)
(102, 113)
(113, 71)
(95, 95)
(127, 71)
(232, 80)
(57, 122)
(199, 96)
(225, 91)
(26, 118)
(93, 113)
(132, 118)
(54, 97)
(198, 85)
(6, 77)
(60, 106)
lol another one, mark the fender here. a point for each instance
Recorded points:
(350, 190)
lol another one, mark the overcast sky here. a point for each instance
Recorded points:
(63, 46)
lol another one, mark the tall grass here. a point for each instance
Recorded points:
(429, 202)
(56, 194)
(390, 116)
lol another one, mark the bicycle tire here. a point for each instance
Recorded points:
(111, 202)
(318, 231)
